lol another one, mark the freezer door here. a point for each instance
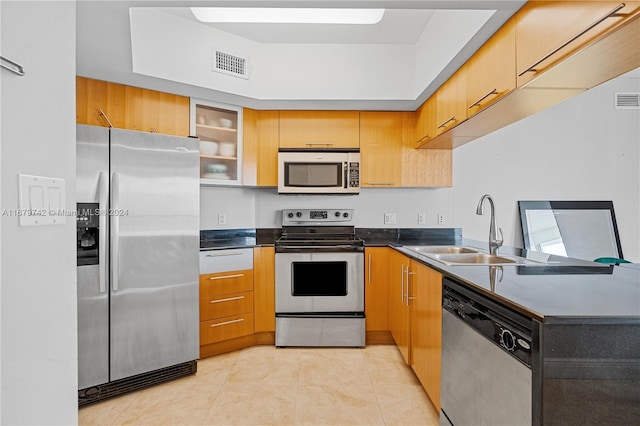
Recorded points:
(92, 177)
(154, 254)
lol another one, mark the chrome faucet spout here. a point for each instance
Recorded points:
(494, 241)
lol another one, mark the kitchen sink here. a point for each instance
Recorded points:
(440, 249)
(472, 259)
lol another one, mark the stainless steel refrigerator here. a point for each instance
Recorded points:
(138, 243)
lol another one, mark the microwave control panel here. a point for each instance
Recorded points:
(354, 175)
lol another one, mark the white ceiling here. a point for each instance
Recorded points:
(104, 46)
(398, 26)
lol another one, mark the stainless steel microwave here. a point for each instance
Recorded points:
(318, 172)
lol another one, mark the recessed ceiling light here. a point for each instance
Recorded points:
(271, 15)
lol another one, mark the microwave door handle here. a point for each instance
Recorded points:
(346, 174)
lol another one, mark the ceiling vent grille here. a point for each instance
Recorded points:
(229, 64)
(627, 100)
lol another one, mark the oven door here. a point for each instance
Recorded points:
(319, 282)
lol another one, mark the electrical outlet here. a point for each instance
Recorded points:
(422, 218)
(390, 219)
(222, 219)
(440, 219)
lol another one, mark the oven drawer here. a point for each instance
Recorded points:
(226, 305)
(225, 328)
(214, 261)
(212, 285)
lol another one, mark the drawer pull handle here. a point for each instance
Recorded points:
(610, 14)
(447, 122)
(225, 254)
(227, 299)
(218, 324)
(381, 183)
(223, 277)
(477, 103)
(319, 144)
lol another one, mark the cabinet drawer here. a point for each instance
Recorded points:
(225, 328)
(212, 285)
(227, 305)
(213, 261)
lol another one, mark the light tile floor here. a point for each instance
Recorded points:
(264, 385)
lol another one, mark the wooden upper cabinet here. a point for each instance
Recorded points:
(451, 101)
(426, 121)
(423, 167)
(380, 149)
(131, 108)
(543, 27)
(491, 71)
(319, 129)
(260, 147)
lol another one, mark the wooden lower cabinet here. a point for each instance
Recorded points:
(376, 295)
(264, 289)
(237, 308)
(415, 319)
(399, 307)
(226, 328)
(426, 328)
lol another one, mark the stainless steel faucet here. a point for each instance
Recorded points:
(494, 242)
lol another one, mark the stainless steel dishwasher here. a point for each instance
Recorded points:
(486, 361)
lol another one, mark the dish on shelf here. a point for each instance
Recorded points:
(227, 149)
(216, 168)
(226, 123)
(218, 176)
(209, 148)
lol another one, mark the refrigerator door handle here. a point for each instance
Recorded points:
(115, 231)
(102, 233)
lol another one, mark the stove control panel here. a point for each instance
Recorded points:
(328, 217)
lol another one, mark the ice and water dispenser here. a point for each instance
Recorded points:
(87, 230)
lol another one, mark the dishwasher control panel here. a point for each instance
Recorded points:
(506, 328)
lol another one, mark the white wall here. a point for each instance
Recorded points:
(581, 149)
(260, 207)
(38, 306)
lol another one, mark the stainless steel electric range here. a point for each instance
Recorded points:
(319, 279)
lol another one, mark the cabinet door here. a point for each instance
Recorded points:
(491, 71)
(212, 285)
(376, 289)
(380, 148)
(131, 108)
(426, 331)
(399, 318)
(260, 146)
(156, 112)
(219, 128)
(451, 101)
(264, 288)
(544, 26)
(423, 167)
(319, 129)
(426, 121)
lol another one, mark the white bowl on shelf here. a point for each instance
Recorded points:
(226, 123)
(227, 149)
(209, 148)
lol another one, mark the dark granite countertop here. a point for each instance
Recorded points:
(562, 288)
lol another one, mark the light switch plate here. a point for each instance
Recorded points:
(41, 200)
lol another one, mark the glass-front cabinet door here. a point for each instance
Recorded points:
(219, 128)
